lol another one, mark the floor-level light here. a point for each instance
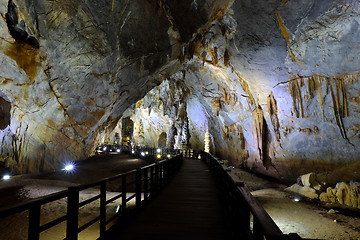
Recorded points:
(158, 156)
(117, 209)
(69, 167)
(6, 177)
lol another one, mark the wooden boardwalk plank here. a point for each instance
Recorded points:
(188, 208)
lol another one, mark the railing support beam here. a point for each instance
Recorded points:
(72, 214)
(34, 223)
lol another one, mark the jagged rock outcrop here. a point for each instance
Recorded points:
(275, 83)
(344, 193)
(70, 69)
(278, 57)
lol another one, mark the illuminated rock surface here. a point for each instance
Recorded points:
(274, 82)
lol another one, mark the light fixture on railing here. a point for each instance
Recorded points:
(158, 156)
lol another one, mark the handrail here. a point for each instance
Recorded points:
(242, 204)
(148, 181)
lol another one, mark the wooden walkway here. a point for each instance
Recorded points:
(188, 208)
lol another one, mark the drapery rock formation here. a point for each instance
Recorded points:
(275, 83)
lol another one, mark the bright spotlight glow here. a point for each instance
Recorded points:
(132, 151)
(118, 150)
(296, 199)
(146, 152)
(168, 156)
(158, 156)
(69, 167)
(6, 177)
(117, 209)
(104, 148)
(158, 150)
(142, 154)
(199, 156)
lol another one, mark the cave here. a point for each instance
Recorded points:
(270, 87)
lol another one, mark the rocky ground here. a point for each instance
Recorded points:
(296, 214)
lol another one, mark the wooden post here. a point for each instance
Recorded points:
(156, 188)
(257, 230)
(102, 210)
(145, 185)
(152, 181)
(72, 214)
(138, 188)
(123, 198)
(34, 223)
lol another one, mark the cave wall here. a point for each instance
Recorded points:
(276, 84)
(70, 69)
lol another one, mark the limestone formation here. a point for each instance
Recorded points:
(345, 193)
(308, 186)
(275, 83)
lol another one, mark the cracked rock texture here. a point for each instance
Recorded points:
(275, 83)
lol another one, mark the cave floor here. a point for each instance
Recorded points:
(291, 213)
(296, 214)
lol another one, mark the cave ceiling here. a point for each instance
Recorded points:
(274, 83)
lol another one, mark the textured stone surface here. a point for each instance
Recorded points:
(275, 83)
(276, 87)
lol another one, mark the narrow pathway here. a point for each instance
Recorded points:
(188, 208)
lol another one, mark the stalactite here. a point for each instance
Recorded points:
(242, 139)
(315, 85)
(311, 87)
(260, 133)
(338, 117)
(246, 88)
(141, 135)
(214, 55)
(295, 93)
(272, 109)
(226, 57)
(127, 131)
(318, 81)
(185, 134)
(170, 140)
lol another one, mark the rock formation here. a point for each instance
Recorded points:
(276, 83)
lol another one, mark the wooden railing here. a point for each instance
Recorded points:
(142, 184)
(248, 219)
